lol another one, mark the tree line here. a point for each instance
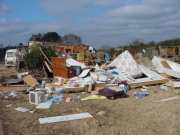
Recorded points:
(55, 37)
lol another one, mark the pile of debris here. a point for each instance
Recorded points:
(169, 69)
(109, 81)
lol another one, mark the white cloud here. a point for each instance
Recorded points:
(121, 22)
(147, 9)
(150, 19)
(107, 2)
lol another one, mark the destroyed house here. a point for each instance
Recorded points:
(170, 49)
(77, 51)
(170, 52)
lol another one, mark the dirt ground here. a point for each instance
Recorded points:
(7, 71)
(125, 116)
(128, 116)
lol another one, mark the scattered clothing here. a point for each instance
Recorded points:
(141, 94)
(112, 94)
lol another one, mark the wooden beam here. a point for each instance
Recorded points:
(147, 83)
(46, 58)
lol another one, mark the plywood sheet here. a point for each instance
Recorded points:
(30, 81)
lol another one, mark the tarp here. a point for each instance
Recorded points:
(126, 63)
(71, 62)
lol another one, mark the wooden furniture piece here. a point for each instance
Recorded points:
(60, 69)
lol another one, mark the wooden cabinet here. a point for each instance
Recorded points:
(60, 69)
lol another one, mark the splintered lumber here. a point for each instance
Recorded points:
(48, 67)
(64, 118)
(44, 55)
(147, 83)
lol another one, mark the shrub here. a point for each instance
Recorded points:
(33, 57)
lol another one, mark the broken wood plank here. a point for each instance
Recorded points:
(48, 67)
(64, 118)
(44, 55)
(147, 83)
(169, 99)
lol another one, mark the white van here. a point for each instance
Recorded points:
(11, 57)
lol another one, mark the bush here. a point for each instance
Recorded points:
(33, 57)
(49, 52)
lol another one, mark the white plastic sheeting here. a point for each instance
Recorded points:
(71, 62)
(125, 63)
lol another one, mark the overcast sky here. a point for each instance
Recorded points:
(98, 22)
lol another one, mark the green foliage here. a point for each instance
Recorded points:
(72, 39)
(36, 37)
(49, 52)
(51, 37)
(171, 42)
(47, 37)
(33, 58)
